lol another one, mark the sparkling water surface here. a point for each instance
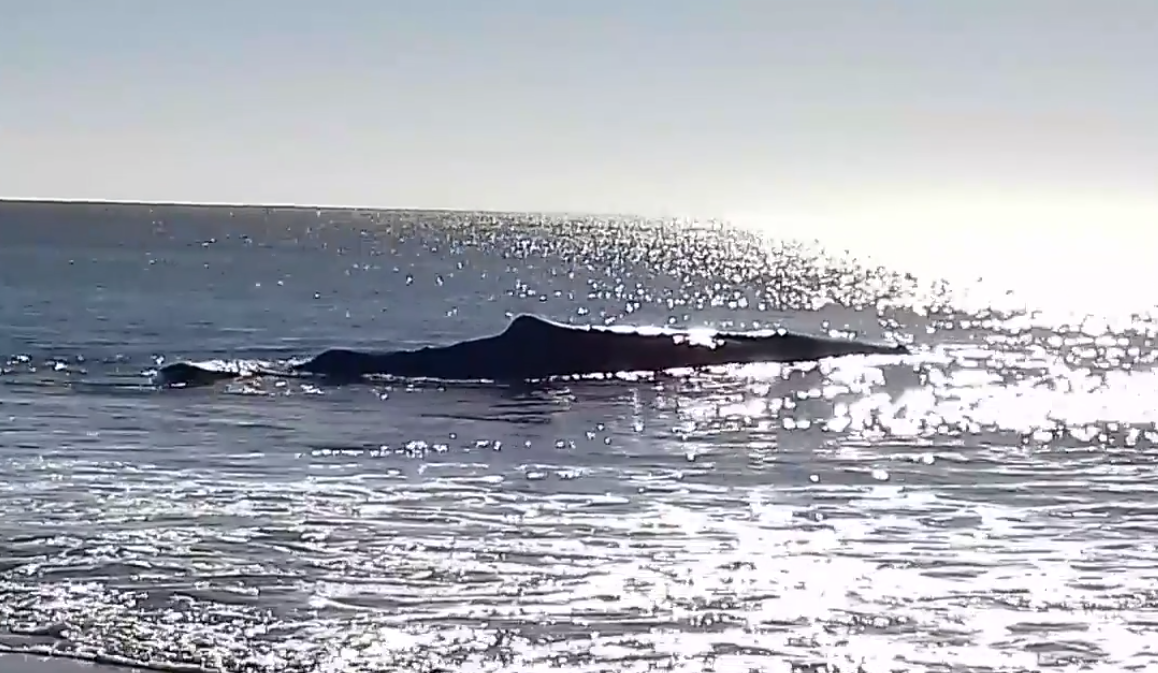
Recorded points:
(982, 505)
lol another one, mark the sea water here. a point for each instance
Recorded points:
(985, 504)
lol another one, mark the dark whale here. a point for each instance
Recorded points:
(534, 348)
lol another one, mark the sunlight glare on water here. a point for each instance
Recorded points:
(1061, 260)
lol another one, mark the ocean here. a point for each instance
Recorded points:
(984, 504)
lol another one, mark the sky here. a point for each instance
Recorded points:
(745, 109)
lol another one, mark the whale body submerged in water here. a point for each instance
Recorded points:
(534, 348)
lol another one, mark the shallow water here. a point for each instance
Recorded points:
(981, 505)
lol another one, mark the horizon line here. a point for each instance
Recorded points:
(286, 205)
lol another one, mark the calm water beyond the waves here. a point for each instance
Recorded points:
(984, 505)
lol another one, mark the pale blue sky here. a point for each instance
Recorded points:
(699, 107)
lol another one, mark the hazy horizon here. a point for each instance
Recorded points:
(301, 206)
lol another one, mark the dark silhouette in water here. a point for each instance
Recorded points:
(533, 348)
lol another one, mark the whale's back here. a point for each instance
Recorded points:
(527, 325)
